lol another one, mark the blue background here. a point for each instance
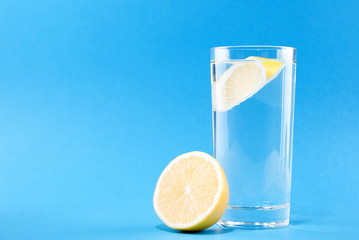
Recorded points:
(96, 97)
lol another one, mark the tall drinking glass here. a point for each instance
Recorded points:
(253, 90)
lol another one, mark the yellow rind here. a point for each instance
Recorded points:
(272, 66)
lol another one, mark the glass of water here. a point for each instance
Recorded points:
(253, 89)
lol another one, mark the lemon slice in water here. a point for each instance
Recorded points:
(242, 80)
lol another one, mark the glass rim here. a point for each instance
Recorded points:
(254, 47)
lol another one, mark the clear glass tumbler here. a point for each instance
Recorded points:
(253, 89)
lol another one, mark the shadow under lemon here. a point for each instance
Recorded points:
(209, 231)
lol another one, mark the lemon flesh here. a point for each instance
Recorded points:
(192, 192)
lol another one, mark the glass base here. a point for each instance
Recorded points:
(256, 217)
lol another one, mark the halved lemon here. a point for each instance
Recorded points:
(191, 193)
(242, 80)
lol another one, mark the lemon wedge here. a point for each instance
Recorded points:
(238, 83)
(192, 192)
(242, 80)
